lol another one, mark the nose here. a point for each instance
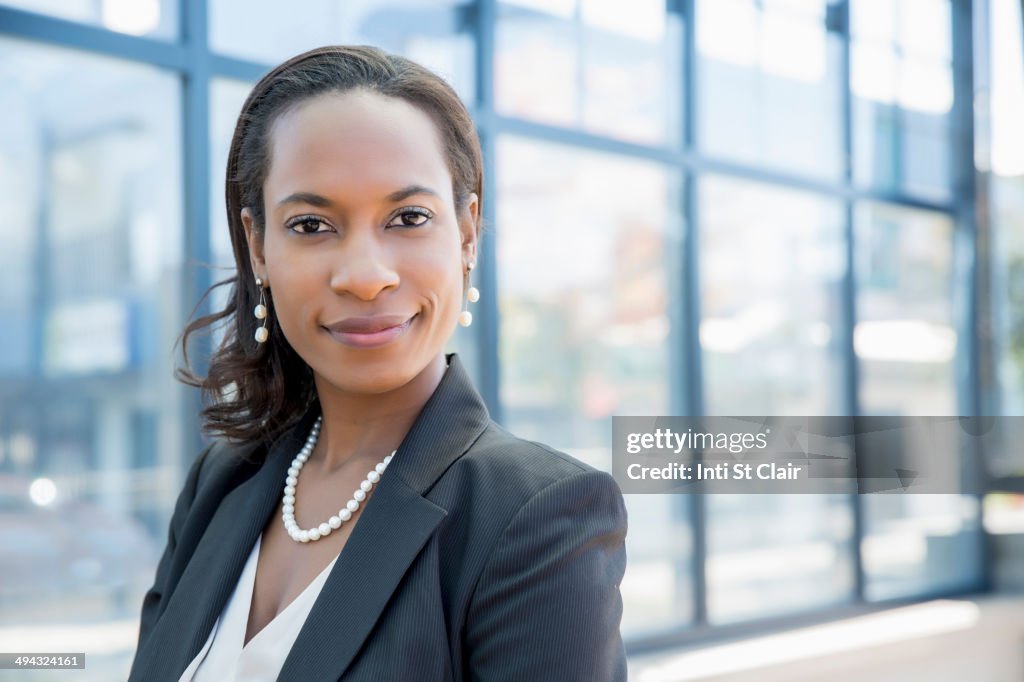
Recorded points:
(362, 267)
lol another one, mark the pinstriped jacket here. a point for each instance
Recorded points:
(480, 556)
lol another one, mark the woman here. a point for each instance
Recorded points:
(464, 553)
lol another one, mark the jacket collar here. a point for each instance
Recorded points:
(394, 525)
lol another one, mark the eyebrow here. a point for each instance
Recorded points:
(323, 202)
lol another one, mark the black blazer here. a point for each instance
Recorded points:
(479, 556)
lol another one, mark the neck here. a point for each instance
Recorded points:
(370, 426)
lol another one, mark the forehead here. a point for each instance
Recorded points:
(357, 144)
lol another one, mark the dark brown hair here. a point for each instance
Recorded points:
(255, 391)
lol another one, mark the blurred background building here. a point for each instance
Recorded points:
(727, 207)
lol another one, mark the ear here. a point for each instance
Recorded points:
(254, 238)
(469, 226)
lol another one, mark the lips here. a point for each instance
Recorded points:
(367, 325)
(367, 332)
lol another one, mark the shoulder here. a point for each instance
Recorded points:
(544, 544)
(221, 466)
(502, 476)
(524, 466)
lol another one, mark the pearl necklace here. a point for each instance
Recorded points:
(346, 512)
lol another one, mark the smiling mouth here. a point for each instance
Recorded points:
(371, 339)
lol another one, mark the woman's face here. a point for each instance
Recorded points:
(362, 249)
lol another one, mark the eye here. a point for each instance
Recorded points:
(412, 217)
(302, 223)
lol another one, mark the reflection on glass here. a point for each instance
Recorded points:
(905, 338)
(608, 68)
(588, 251)
(772, 263)
(435, 33)
(90, 437)
(767, 85)
(149, 18)
(902, 81)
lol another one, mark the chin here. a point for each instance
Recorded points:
(371, 376)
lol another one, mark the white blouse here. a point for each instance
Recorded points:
(223, 657)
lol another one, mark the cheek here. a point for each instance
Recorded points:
(288, 308)
(293, 289)
(438, 277)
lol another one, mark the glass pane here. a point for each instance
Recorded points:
(768, 86)
(916, 28)
(772, 263)
(588, 254)
(1006, 109)
(902, 82)
(1006, 55)
(587, 247)
(874, 21)
(771, 267)
(435, 33)
(657, 589)
(226, 100)
(905, 338)
(149, 18)
(606, 67)
(772, 555)
(90, 274)
(1007, 206)
(925, 28)
(915, 544)
(906, 342)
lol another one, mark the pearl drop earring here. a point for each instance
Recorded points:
(472, 296)
(260, 312)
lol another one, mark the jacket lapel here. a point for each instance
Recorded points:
(395, 525)
(213, 571)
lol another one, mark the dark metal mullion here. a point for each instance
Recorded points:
(848, 311)
(196, 277)
(223, 66)
(71, 34)
(487, 327)
(701, 163)
(970, 253)
(965, 226)
(692, 376)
